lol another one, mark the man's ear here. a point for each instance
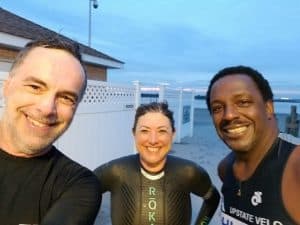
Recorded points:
(270, 109)
(174, 136)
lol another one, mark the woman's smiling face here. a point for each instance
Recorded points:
(153, 138)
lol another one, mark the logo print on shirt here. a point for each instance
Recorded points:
(152, 205)
(256, 198)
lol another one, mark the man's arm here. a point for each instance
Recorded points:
(78, 204)
(291, 185)
(209, 206)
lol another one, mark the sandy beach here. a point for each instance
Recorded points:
(205, 148)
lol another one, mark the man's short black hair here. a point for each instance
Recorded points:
(261, 83)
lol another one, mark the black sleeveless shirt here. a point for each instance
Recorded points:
(258, 200)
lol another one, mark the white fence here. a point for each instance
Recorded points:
(101, 129)
(180, 101)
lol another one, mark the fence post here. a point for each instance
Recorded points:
(192, 114)
(161, 94)
(137, 100)
(292, 122)
(179, 122)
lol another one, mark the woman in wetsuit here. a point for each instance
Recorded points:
(152, 187)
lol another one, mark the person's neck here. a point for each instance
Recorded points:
(7, 145)
(22, 154)
(153, 169)
(246, 163)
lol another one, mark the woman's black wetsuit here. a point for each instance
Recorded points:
(139, 198)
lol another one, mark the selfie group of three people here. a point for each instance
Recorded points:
(40, 185)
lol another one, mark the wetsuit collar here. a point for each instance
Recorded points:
(152, 176)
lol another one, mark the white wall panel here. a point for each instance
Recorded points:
(94, 139)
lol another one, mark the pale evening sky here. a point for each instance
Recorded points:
(181, 42)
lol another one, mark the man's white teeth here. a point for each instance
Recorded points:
(152, 149)
(37, 123)
(236, 130)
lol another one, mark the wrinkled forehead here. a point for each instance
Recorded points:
(232, 80)
(53, 67)
(154, 118)
(234, 85)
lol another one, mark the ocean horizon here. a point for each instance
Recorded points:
(281, 107)
(282, 111)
